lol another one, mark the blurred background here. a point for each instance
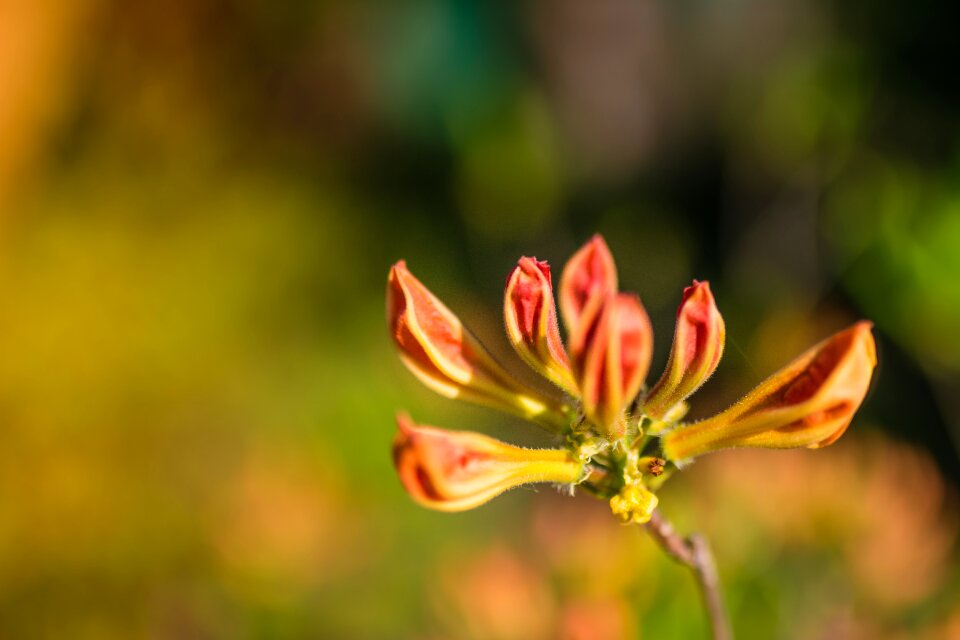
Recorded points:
(199, 203)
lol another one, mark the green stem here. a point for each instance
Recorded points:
(694, 552)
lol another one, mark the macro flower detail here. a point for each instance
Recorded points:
(617, 440)
(436, 347)
(530, 316)
(459, 470)
(697, 348)
(808, 403)
(589, 279)
(613, 362)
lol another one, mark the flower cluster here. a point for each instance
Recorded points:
(621, 440)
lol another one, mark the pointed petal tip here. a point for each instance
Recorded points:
(396, 277)
(597, 239)
(698, 288)
(404, 422)
(599, 244)
(398, 266)
(864, 331)
(531, 265)
(863, 327)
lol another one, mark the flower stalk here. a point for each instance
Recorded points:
(694, 552)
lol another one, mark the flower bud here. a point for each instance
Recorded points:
(634, 504)
(531, 318)
(589, 278)
(613, 361)
(460, 470)
(446, 357)
(697, 347)
(809, 403)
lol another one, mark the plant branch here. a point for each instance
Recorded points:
(694, 552)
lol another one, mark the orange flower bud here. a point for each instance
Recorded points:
(697, 347)
(589, 278)
(531, 319)
(613, 361)
(460, 470)
(446, 357)
(809, 403)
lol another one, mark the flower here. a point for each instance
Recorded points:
(612, 361)
(697, 348)
(808, 403)
(620, 442)
(589, 279)
(436, 347)
(459, 470)
(531, 319)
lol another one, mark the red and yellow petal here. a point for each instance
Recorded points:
(530, 316)
(808, 403)
(445, 356)
(698, 342)
(460, 470)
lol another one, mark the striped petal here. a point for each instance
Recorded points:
(589, 279)
(697, 347)
(530, 315)
(439, 350)
(809, 403)
(613, 361)
(460, 470)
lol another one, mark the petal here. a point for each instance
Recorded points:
(809, 403)
(460, 470)
(613, 361)
(531, 319)
(589, 278)
(697, 347)
(436, 347)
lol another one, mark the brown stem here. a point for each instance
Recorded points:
(694, 552)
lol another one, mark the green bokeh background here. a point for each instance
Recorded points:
(199, 203)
